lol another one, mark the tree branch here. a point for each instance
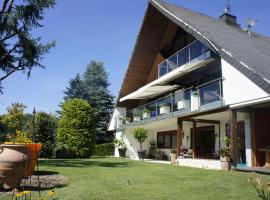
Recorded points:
(4, 6)
(13, 70)
(12, 35)
(9, 52)
(10, 6)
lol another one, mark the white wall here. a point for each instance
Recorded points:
(118, 112)
(133, 145)
(237, 87)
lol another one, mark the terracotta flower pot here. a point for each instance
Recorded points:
(225, 163)
(34, 151)
(14, 162)
(173, 158)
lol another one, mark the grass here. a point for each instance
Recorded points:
(112, 178)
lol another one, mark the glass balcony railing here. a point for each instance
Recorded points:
(210, 93)
(181, 102)
(195, 51)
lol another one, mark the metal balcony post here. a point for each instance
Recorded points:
(167, 66)
(177, 60)
(156, 110)
(171, 97)
(189, 54)
(190, 96)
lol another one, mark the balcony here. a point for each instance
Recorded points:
(195, 99)
(194, 52)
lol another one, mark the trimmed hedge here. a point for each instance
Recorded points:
(106, 149)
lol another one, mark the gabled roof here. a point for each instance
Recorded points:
(250, 54)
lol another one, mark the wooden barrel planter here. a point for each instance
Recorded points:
(14, 164)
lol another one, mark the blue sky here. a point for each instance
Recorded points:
(102, 30)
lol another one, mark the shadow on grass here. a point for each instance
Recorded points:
(42, 173)
(80, 163)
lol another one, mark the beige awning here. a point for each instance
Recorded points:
(149, 92)
(158, 86)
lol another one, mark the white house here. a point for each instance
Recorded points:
(192, 80)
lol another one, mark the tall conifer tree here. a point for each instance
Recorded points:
(99, 97)
(19, 49)
(75, 89)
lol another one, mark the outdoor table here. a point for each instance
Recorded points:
(267, 156)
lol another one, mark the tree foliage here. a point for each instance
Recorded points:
(99, 97)
(75, 89)
(19, 50)
(76, 127)
(45, 133)
(140, 134)
(14, 118)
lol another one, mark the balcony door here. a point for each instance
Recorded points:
(204, 141)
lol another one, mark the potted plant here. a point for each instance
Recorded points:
(137, 115)
(140, 134)
(146, 113)
(173, 156)
(160, 155)
(152, 149)
(128, 120)
(122, 147)
(181, 104)
(22, 138)
(164, 108)
(18, 156)
(225, 154)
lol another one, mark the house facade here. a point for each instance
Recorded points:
(191, 81)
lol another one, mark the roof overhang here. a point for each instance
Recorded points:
(250, 103)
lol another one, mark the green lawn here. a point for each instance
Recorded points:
(112, 178)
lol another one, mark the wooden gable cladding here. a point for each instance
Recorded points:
(169, 36)
(145, 52)
(154, 71)
(165, 44)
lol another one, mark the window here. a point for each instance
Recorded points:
(166, 140)
(210, 93)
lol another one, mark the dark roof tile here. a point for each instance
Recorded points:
(251, 52)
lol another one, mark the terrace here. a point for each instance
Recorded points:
(180, 102)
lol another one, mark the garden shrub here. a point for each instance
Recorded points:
(46, 125)
(62, 151)
(76, 128)
(106, 149)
